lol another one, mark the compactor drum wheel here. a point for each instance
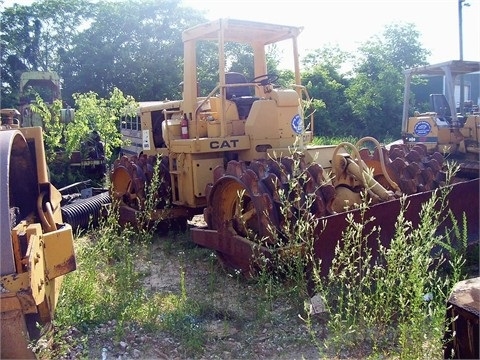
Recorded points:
(131, 178)
(17, 199)
(257, 207)
(240, 203)
(17, 192)
(245, 201)
(415, 170)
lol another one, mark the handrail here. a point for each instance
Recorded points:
(165, 111)
(210, 95)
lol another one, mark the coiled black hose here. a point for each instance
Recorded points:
(85, 212)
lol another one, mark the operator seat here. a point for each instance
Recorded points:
(240, 95)
(439, 104)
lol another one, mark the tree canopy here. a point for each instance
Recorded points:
(368, 99)
(33, 37)
(135, 46)
(375, 93)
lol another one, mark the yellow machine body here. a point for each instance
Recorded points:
(36, 246)
(443, 128)
(220, 126)
(229, 152)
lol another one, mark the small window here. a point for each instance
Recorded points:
(136, 123)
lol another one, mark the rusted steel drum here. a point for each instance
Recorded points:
(463, 309)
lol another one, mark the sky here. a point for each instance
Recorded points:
(348, 23)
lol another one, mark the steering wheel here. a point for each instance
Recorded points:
(265, 79)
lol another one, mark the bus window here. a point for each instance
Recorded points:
(136, 123)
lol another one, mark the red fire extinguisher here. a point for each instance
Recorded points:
(184, 126)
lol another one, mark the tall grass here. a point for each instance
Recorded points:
(394, 303)
(390, 304)
(108, 288)
(296, 234)
(329, 140)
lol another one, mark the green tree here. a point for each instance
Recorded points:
(62, 139)
(375, 93)
(135, 46)
(100, 114)
(52, 125)
(326, 84)
(32, 38)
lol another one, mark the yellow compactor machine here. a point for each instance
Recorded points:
(36, 247)
(445, 128)
(229, 150)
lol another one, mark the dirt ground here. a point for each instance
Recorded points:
(238, 324)
(238, 320)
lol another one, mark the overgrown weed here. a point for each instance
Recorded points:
(283, 271)
(395, 303)
(112, 261)
(392, 305)
(389, 302)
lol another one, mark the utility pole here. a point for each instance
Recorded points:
(461, 3)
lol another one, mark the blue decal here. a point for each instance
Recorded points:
(422, 128)
(297, 124)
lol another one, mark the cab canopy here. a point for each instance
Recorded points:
(256, 34)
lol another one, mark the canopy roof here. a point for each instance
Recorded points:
(457, 67)
(242, 31)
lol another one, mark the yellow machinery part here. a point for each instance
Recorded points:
(36, 247)
(14, 334)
